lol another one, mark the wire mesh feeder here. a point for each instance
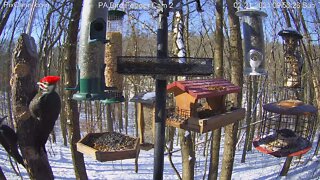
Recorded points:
(177, 117)
(115, 20)
(145, 65)
(109, 146)
(286, 129)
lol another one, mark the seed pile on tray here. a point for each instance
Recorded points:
(112, 141)
(181, 116)
(177, 118)
(205, 113)
(284, 142)
(216, 88)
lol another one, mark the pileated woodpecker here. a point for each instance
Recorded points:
(45, 107)
(9, 140)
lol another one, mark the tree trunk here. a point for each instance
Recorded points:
(254, 113)
(248, 118)
(236, 59)
(109, 118)
(5, 18)
(23, 89)
(71, 109)
(2, 176)
(188, 154)
(218, 64)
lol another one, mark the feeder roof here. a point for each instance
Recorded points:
(290, 32)
(251, 12)
(144, 98)
(204, 88)
(304, 109)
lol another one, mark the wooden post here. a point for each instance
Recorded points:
(286, 166)
(23, 84)
(141, 123)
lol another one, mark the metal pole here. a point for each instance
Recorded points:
(161, 83)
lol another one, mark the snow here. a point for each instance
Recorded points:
(257, 166)
(149, 95)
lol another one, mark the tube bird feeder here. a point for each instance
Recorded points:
(115, 20)
(91, 51)
(253, 41)
(292, 57)
(112, 50)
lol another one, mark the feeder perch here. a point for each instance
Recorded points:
(144, 65)
(113, 95)
(109, 146)
(253, 41)
(287, 128)
(190, 114)
(146, 118)
(293, 61)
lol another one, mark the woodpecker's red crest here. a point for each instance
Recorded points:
(48, 83)
(50, 79)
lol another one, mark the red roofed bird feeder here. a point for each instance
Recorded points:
(200, 104)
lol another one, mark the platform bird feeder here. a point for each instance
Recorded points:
(200, 105)
(293, 61)
(109, 146)
(287, 128)
(253, 41)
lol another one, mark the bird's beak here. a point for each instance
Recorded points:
(43, 86)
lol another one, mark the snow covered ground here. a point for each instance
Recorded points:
(257, 165)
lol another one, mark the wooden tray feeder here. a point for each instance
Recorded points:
(191, 114)
(286, 129)
(109, 146)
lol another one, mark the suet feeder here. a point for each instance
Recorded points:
(287, 128)
(200, 105)
(109, 146)
(146, 118)
(91, 51)
(293, 61)
(253, 41)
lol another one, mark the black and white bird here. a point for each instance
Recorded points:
(9, 140)
(45, 107)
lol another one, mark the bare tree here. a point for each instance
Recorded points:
(5, 11)
(71, 108)
(237, 79)
(218, 64)
(23, 88)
